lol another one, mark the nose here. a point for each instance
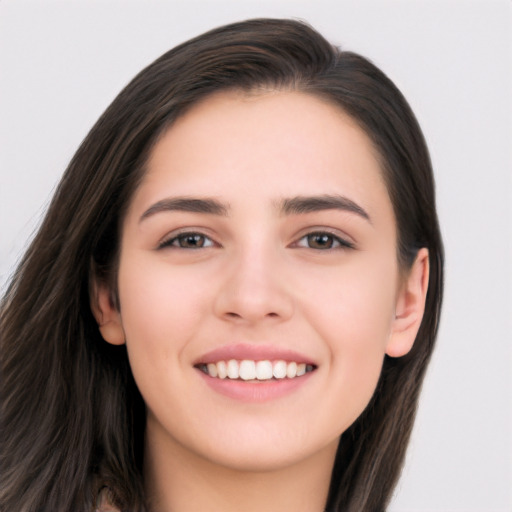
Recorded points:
(254, 289)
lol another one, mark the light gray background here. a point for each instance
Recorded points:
(61, 63)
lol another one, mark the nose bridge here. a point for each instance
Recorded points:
(255, 288)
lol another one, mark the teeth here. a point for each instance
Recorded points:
(222, 371)
(233, 369)
(212, 369)
(256, 370)
(291, 370)
(264, 370)
(279, 369)
(247, 370)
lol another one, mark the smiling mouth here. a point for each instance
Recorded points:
(250, 370)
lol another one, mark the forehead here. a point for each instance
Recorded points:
(276, 143)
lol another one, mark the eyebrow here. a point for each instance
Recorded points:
(310, 204)
(290, 206)
(186, 204)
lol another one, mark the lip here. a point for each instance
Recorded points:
(241, 351)
(254, 391)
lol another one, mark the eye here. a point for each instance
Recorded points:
(188, 241)
(322, 240)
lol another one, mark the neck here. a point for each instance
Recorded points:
(180, 481)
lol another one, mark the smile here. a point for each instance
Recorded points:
(251, 370)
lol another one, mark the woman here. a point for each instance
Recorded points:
(234, 295)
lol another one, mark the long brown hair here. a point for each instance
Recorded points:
(72, 417)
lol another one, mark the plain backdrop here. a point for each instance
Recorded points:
(61, 64)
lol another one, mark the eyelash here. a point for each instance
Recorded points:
(175, 241)
(335, 241)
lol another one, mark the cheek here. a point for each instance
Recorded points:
(160, 310)
(355, 305)
(354, 320)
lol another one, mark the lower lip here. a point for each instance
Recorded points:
(263, 391)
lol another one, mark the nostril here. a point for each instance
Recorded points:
(232, 315)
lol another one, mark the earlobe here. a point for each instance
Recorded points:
(410, 307)
(106, 314)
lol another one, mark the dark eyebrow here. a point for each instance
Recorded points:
(186, 204)
(310, 204)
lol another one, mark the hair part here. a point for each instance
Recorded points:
(72, 419)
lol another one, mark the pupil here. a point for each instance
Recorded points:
(321, 241)
(192, 241)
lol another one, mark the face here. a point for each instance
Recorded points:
(261, 243)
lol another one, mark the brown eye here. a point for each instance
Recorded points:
(323, 241)
(320, 241)
(188, 241)
(191, 241)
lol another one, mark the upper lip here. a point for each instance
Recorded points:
(241, 351)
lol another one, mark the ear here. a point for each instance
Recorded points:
(106, 314)
(410, 307)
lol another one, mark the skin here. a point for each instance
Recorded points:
(258, 279)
